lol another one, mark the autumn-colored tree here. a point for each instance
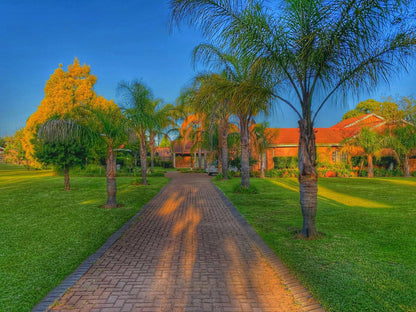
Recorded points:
(14, 152)
(64, 91)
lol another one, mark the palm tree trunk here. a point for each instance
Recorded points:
(152, 145)
(220, 164)
(261, 165)
(200, 158)
(245, 156)
(66, 178)
(308, 178)
(143, 157)
(370, 166)
(111, 178)
(224, 147)
(406, 168)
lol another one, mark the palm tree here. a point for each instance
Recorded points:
(163, 116)
(110, 127)
(208, 101)
(315, 49)
(262, 139)
(371, 144)
(139, 102)
(245, 87)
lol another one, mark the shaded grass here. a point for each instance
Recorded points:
(46, 232)
(367, 258)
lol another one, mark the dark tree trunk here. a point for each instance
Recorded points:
(152, 145)
(308, 178)
(143, 157)
(406, 168)
(111, 178)
(370, 166)
(66, 178)
(200, 158)
(245, 155)
(224, 147)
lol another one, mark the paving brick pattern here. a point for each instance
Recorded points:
(186, 252)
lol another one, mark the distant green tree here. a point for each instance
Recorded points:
(59, 142)
(387, 109)
(403, 142)
(371, 144)
(262, 139)
(2, 142)
(164, 142)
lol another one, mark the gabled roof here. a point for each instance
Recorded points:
(370, 120)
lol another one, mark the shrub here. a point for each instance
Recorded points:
(244, 190)
(285, 162)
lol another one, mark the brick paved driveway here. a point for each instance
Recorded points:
(185, 253)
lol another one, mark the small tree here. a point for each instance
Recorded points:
(403, 142)
(59, 142)
(371, 144)
(108, 128)
(138, 100)
(262, 139)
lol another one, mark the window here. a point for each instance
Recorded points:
(335, 156)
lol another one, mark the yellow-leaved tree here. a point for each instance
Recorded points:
(64, 91)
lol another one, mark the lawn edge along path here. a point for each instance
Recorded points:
(56, 293)
(301, 294)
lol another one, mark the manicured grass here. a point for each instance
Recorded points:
(367, 259)
(45, 232)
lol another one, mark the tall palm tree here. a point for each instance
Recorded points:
(315, 49)
(139, 102)
(246, 88)
(208, 101)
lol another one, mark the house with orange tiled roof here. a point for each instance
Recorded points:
(285, 141)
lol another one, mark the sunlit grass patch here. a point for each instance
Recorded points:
(366, 260)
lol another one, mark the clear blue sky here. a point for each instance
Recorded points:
(120, 40)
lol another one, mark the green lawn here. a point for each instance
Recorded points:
(45, 232)
(367, 259)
